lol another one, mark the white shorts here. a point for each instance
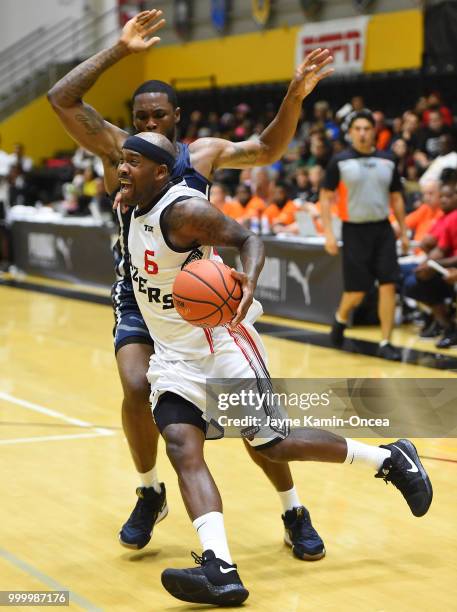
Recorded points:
(238, 355)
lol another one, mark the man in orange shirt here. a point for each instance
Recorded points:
(244, 206)
(423, 218)
(281, 212)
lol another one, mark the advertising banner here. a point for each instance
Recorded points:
(345, 38)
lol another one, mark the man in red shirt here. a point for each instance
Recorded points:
(428, 286)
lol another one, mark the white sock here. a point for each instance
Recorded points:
(365, 453)
(383, 343)
(150, 479)
(289, 499)
(211, 531)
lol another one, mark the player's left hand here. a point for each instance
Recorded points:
(248, 295)
(137, 34)
(118, 203)
(310, 72)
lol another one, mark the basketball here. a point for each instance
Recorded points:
(205, 293)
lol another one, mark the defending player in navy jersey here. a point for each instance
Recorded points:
(155, 109)
(183, 221)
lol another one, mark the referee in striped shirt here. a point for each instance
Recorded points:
(368, 184)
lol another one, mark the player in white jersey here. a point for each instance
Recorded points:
(182, 222)
(155, 108)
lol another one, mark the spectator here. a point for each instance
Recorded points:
(434, 103)
(301, 184)
(323, 119)
(429, 137)
(83, 159)
(383, 134)
(18, 187)
(421, 220)
(320, 151)
(89, 185)
(261, 182)
(218, 195)
(429, 287)
(281, 212)
(244, 206)
(411, 129)
(447, 158)
(19, 160)
(402, 156)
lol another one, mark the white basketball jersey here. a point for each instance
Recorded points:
(154, 267)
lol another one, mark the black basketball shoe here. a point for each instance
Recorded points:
(214, 582)
(150, 509)
(405, 471)
(300, 534)
(337, 333)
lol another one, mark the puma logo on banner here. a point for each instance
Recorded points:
(302, 279)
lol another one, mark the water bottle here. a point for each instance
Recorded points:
(265, 226)
(255, 225)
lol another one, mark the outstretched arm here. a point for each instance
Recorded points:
(274, 140)
(196, 222)
(83, 122)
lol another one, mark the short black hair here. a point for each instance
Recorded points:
(157, 87)
(362, 114)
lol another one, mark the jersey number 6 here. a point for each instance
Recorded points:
(150, 265)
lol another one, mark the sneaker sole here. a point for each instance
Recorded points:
(197, 591)
(163, 514)
(409, 446)
(304, 556)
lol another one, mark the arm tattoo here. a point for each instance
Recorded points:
(71, 88)
(243, 155)
(196, 222)
(91, 120)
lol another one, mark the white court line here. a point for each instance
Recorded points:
(62, 437)
(100, 431)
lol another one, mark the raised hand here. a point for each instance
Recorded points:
(311, 71)
(137, 32)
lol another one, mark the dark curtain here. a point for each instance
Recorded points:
(440, 38)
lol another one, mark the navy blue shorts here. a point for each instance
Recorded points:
(129, 325)
(431, 292)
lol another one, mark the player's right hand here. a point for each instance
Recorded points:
(331, 245)
(142, 27)
(248, 295)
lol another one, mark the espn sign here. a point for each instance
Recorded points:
(345, 39)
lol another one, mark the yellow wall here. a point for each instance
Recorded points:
(236, 60)
(395, 41)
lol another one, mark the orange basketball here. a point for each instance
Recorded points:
(205, 293)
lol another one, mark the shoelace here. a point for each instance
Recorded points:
(198, 560)
(303, 526)
(397, 478)
(142, 511)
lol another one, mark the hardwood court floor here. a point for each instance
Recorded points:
(68, 485)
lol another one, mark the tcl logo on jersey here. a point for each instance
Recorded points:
(148, 228)
(153, 293)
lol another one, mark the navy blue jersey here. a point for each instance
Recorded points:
(182, 168)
